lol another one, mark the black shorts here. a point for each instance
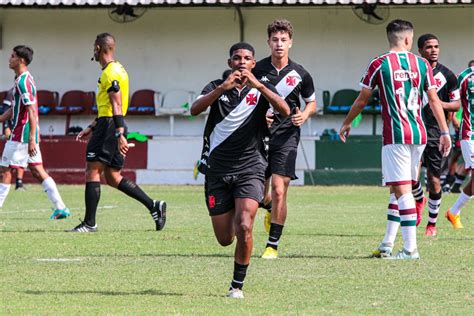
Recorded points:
(221, 191)
(103, 145)
(434, 161)
(282, 156)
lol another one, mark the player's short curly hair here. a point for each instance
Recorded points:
(282, 25)
(24, 52)
(425, 37)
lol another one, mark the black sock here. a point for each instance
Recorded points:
(267, 206)
(19, 182)
(131, 189)
(449, 180)
(240, 271)
(434, 203)
(274, 237)
(92, 200)
(417, 191)
(460, 179)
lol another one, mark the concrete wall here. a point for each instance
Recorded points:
(171, 48)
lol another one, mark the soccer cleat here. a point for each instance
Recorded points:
(158, 212)
(430, 231)
(235, 293)
(420, 206)
(267, 221)
(383, 251)
(454, 219)
(405, 255)
(270, 253)
(20, 188)
(83, 228)
(60, 214)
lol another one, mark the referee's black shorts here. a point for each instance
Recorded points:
(103, 145)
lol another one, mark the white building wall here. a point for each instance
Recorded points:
(185, 48)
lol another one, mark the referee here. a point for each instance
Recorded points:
(107, 146)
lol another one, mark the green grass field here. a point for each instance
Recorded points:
(128, 268)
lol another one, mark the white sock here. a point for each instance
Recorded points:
(407, 209)
(462, 201)
(4, 189)
(393, 221)
(50, 188)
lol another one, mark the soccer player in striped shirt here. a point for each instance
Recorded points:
(466, 87)
(401, 78)
(22, 149)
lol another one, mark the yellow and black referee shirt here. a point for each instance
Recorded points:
(113, 71)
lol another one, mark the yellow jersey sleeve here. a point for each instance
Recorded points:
(113, 72)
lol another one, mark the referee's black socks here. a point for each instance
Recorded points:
(92, 196)
(131, 189)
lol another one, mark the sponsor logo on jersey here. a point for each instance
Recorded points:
(404, 75)
(251, 99)
(291, 81)
(224, 98)
(264, 79)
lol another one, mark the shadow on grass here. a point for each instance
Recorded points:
(106, 293)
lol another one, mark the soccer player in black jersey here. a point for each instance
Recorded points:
(433, 160)
(292, 82)
(233, 156)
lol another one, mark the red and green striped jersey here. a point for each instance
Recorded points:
(466, 89)
(401, 78)
(24, 95)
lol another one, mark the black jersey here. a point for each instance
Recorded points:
(448, 91)
(291, 82)
(234, 132)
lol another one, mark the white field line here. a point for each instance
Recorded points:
(49, 209)
(59, 259)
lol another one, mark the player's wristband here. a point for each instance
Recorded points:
(445, 134)
(118, 120)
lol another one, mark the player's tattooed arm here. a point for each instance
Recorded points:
(115, 97)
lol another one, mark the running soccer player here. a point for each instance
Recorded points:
(292, 82)
(466, 86)
(401, 78)
(107, 146)
(433, 159)
(233, 156)
(22, 149)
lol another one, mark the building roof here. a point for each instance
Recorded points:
(53, 3)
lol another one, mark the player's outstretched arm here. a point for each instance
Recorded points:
(7, 115)
(205, 101)
(437, 109)
(355, 110)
